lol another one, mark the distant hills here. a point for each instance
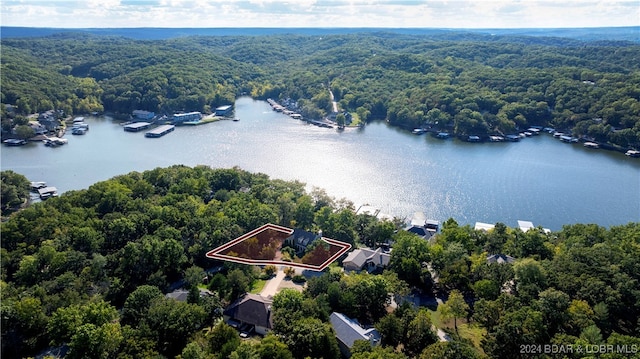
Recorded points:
(146, 33)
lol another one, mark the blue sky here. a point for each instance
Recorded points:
(320, 13)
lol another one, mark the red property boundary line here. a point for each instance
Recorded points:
(215, 253)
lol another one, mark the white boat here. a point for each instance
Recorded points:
(55, 141)
(633, 153)
(418, 131)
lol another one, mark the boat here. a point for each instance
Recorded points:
(14, 142)
(442, 135)
(591, 145)
(78, 131)
(496, 138)
(418, 131)
(473, 139)
(236, 119)
(55, 141)
(632, 153)
(513, 138)
(568, 139)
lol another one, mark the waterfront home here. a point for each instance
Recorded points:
(37, 127)
(301, 239)
(225, 110)
(252, 311)
(48, 120)
(483, 226)
(142, 115)
(181, 118)
(366, 258)
(420, 225)
(349, 330)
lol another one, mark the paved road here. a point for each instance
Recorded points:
(271, 288)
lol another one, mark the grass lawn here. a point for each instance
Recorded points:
(257, 286)
(471, 331)
(355, 120)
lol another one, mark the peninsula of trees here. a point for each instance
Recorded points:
(86, 274)
(463, 83)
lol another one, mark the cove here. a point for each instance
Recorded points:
(539, 179)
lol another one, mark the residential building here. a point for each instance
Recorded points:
(179, 118)
(250, 310)
(500, 259)
(349, 330)
(480, 226)
(38, 128)
(367, 259)
(301, 239)
(422, 226)
(143, 115)
(224, 110)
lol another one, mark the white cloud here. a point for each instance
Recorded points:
(324, 13)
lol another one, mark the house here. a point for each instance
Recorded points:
(37, 127)
(500, 259)
(527, 225)
(421, 226)
(366, 258)
(301, 239)
(348, 331)
(143, 115)
(224, 110)
(48, 120)
(180, 118)
(250, 310)
(181, 294)
(480, 226)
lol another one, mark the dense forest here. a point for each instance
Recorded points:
(463, 83)
(86, 273)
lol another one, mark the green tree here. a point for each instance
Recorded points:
(138, 303)
(455, 307)
(223, 339)
(449, 350)
(310, 337)
(24, 132)
(419, 333)
(271, 347)
(14, 191)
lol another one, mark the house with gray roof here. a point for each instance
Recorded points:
(349, 330)
(500, 259)
(252, 310)
(366, 258)
(301, 239)
(420, 225)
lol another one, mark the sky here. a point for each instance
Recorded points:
(320, 13)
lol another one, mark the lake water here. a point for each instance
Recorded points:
(539, 179)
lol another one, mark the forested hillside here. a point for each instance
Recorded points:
(86, 273)
(458, 82)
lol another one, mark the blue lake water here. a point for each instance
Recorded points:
(539, 179)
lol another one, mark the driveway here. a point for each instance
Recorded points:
(271, 288)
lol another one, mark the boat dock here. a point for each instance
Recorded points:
(160, 131)
(47, 192)
(137, 126)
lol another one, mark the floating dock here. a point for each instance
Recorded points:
(160, 131)
(137, 126)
